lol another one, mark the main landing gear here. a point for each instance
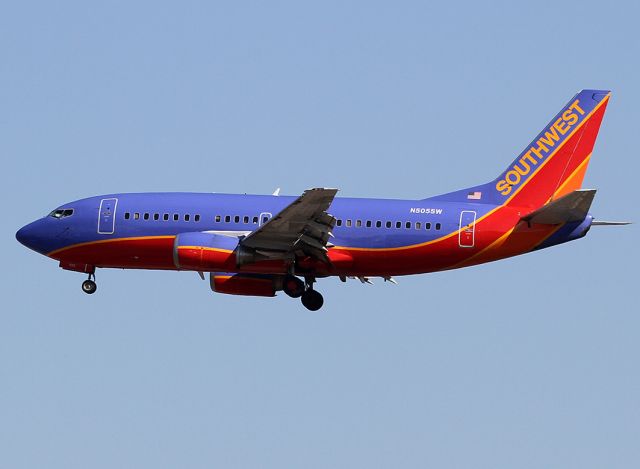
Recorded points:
(296, 288)
(89, 286)
(312, 300)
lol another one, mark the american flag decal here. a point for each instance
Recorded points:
(474, 195)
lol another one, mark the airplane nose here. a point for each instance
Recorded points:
(23, 235)
(29, 235)
(44, 235)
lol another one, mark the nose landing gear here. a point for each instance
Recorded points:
(89, 286)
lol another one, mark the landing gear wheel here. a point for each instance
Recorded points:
(293, 286)
(89, 287)
(312, 300)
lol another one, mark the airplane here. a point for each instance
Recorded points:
(259, 245)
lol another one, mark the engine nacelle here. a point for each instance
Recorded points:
(204, 252)
(245, 284)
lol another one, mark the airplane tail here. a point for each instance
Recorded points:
(553, 164)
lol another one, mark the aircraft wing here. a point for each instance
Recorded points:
(570, 208)
(303, 227)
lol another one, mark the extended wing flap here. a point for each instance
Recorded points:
(303, 226)
(569, 208)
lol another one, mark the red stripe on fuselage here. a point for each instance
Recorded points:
(148, 252)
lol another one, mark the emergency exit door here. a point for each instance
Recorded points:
(264, 218)
(466, 238)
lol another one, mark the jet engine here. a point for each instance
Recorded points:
(204, 252)
(245, 284)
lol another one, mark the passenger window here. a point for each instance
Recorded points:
(339, 222)
(146, 216)
(418, 225)
(368, 223)
(398, 224)
(245, 220)
(427, 226)
(255, 220)
(359, 223)
(186, 217)
(165, 217)
(127, 215)
(378, 224)
(196, 218)
(136, 216)
(217, 218)
(389, 224)
(348, 222)
(264, 220)
(156, 216)
(438, 226)
(236, 219)
(176, 217)
(407, 225)
(227, 218)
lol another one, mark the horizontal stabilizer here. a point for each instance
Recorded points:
(571, 208)
(609, 223)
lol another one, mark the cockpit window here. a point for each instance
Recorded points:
(61, 213)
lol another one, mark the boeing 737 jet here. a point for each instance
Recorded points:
(261, 244)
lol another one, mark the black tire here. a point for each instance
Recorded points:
(89, 287)
(293, 286)
(312, 300)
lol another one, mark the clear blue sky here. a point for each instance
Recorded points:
(530, 362)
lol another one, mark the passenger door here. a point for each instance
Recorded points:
(107, 216)
(466, 238)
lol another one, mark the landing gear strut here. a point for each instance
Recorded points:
(89, 286)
